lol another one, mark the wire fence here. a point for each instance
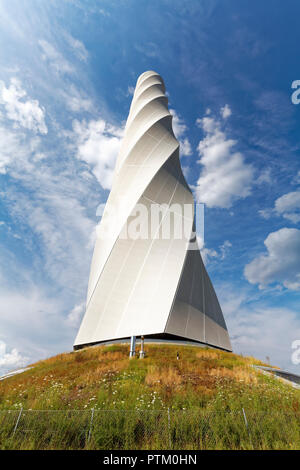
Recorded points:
(159, 429)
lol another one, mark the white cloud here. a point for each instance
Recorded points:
(225, 248)
(55, 59)
(76, 314)
(225, 177)
(51, 203)
(78, 47)
(10, 360)
(52, 207)
(9, 229)
(33, 318)
(148, 49)
(24, 111)
(6, 153)
(265, 213)
(98, 145)
(51, 199)
(258, 329)
(225, 111)
(185, 147)
(296, 179)
(75, 101)
(64, 229)
(281, 264)
(209, 253)
(288, 206)
(78, 104)
(17, 149)
(179, 129)
(130, 91)
(103, 12)
(264, 177)
(186, 171)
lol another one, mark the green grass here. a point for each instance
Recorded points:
(155, 403)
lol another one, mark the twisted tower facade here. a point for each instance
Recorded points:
(142, 282)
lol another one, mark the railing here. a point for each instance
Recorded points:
(159, 429)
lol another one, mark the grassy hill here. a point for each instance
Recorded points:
(206, 399)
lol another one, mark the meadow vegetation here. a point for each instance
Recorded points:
(102, 399)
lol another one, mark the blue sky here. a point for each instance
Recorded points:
(68, 69)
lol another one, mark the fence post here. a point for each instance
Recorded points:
(91, 423)
(169, 428)
(17, 422)
(246, 423)
(247, 427)
(245, 419)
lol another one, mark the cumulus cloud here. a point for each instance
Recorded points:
(24, 111)
(281, 263)
(51, 197)
(185, 147)
(51, 203)
(288, 206)
(225, 111)
(10, 360)
(180, 128)
(6, 153)
(209, 253)
(98, 145)
(18, 150)
(259, 329)
(225, 177)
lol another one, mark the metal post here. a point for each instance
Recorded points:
(246, 423)
(18, 419)
(247, 426)
(132, 346)
(245, 418)
(91, 423)
(169, 428)
(142, 352)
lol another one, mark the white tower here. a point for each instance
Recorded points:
(151, 285)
